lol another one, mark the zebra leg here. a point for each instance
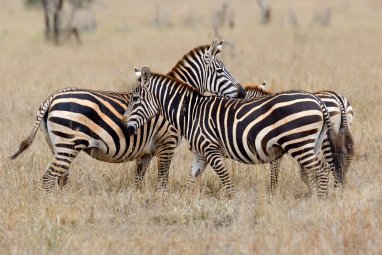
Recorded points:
(57, 21)
(218, 164)
(316, 168)
(164, 158)
(141, 166)
(47, 25)
(308, 165)
(275, 165)
(326, 150)
(304, 175)
(58, 171)
(322, 174)
(166, 145)
(199, 164)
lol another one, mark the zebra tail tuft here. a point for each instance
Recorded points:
(338, 152)
(24, 145)
(348, 143)
(40, 115)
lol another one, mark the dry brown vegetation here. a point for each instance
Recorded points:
(101, 213)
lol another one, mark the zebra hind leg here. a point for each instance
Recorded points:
(326, 150)
(199, 164)
(57, 173)
(318, 170)
(141, 167)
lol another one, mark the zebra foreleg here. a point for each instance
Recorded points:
(218, 164)
(164, 159)
(275, 165)
(141, 166)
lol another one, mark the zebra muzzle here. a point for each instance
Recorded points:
(197, 173)
(130, 130)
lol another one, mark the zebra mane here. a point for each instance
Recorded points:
(256, 87)
(178, 82)
(195, 51)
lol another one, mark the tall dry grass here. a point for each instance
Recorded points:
(101, 213)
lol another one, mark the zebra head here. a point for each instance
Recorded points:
(138, 112)
(255, 90)
(202, 69)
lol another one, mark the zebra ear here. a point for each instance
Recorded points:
(212, 50)
(263, 85)
(145, 75)
(219, 46)
(137, 73)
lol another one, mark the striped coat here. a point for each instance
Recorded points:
(341, 117)
(74, 120)
(249, 131)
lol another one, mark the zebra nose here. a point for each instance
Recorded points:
(130, 130)
(124, 121)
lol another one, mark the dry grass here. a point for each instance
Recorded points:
(100, 212)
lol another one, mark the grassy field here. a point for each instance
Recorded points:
(101, 213)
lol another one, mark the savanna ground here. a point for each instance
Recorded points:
(101, 213)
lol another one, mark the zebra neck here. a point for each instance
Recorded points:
(185, 76)
(179, 111)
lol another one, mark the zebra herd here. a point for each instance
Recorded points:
(250, 125)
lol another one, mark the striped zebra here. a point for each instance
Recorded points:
(341, 116)
(74, 120)
(249, 131)
(53, 12)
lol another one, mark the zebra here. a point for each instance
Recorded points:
(249, 131)
(74, 120)
(54, 27)
(256, 90)
(341, 117)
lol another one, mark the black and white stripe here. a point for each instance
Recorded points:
(249, 131)
(74, 120)
(341, 116)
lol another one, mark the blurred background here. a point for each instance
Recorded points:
(279, 41)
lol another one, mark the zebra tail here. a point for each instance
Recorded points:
(29, 140)
(336, 145)
(24, 145)
(348, 143)
(346, 136)
(40, 115)
(338, 153)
